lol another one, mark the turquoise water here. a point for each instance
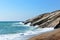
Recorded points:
(16, 30)
(11, 27)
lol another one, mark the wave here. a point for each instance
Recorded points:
(26, 35)
(19, 31)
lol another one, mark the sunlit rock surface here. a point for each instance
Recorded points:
(45, 20)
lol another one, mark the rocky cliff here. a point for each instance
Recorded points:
(52, 35)
(45, 20)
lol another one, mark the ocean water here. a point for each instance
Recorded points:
(16, 30)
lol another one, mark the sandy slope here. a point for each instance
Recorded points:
(53, 35)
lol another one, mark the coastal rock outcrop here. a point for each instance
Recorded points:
(57, 26)
(53, 35)
(45, 20)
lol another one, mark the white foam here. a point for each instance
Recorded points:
(8, 37)
(38, 31)
(36, 26)
(21, 23)
(24, 36)
(28, 24)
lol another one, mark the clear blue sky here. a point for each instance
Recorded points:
(24, 9)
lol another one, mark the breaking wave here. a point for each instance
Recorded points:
(19, 31)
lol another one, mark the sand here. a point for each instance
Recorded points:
(53, 35)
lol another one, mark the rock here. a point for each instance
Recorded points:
(45, 20)
(57, 26)
(53, 35)
(36, 18)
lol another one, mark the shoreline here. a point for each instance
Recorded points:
(34, 35)
(29, 35)
(46, 35)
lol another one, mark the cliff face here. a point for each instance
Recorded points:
(53, 35)
(45, 20)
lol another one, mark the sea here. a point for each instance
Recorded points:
(16, 30)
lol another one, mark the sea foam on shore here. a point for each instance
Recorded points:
(19, 31)
(24, 36)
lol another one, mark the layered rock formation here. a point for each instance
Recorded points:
(45, 20)
(53, 35)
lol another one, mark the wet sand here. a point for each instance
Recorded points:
(53, 35)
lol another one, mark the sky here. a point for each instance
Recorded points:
(21, 10)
